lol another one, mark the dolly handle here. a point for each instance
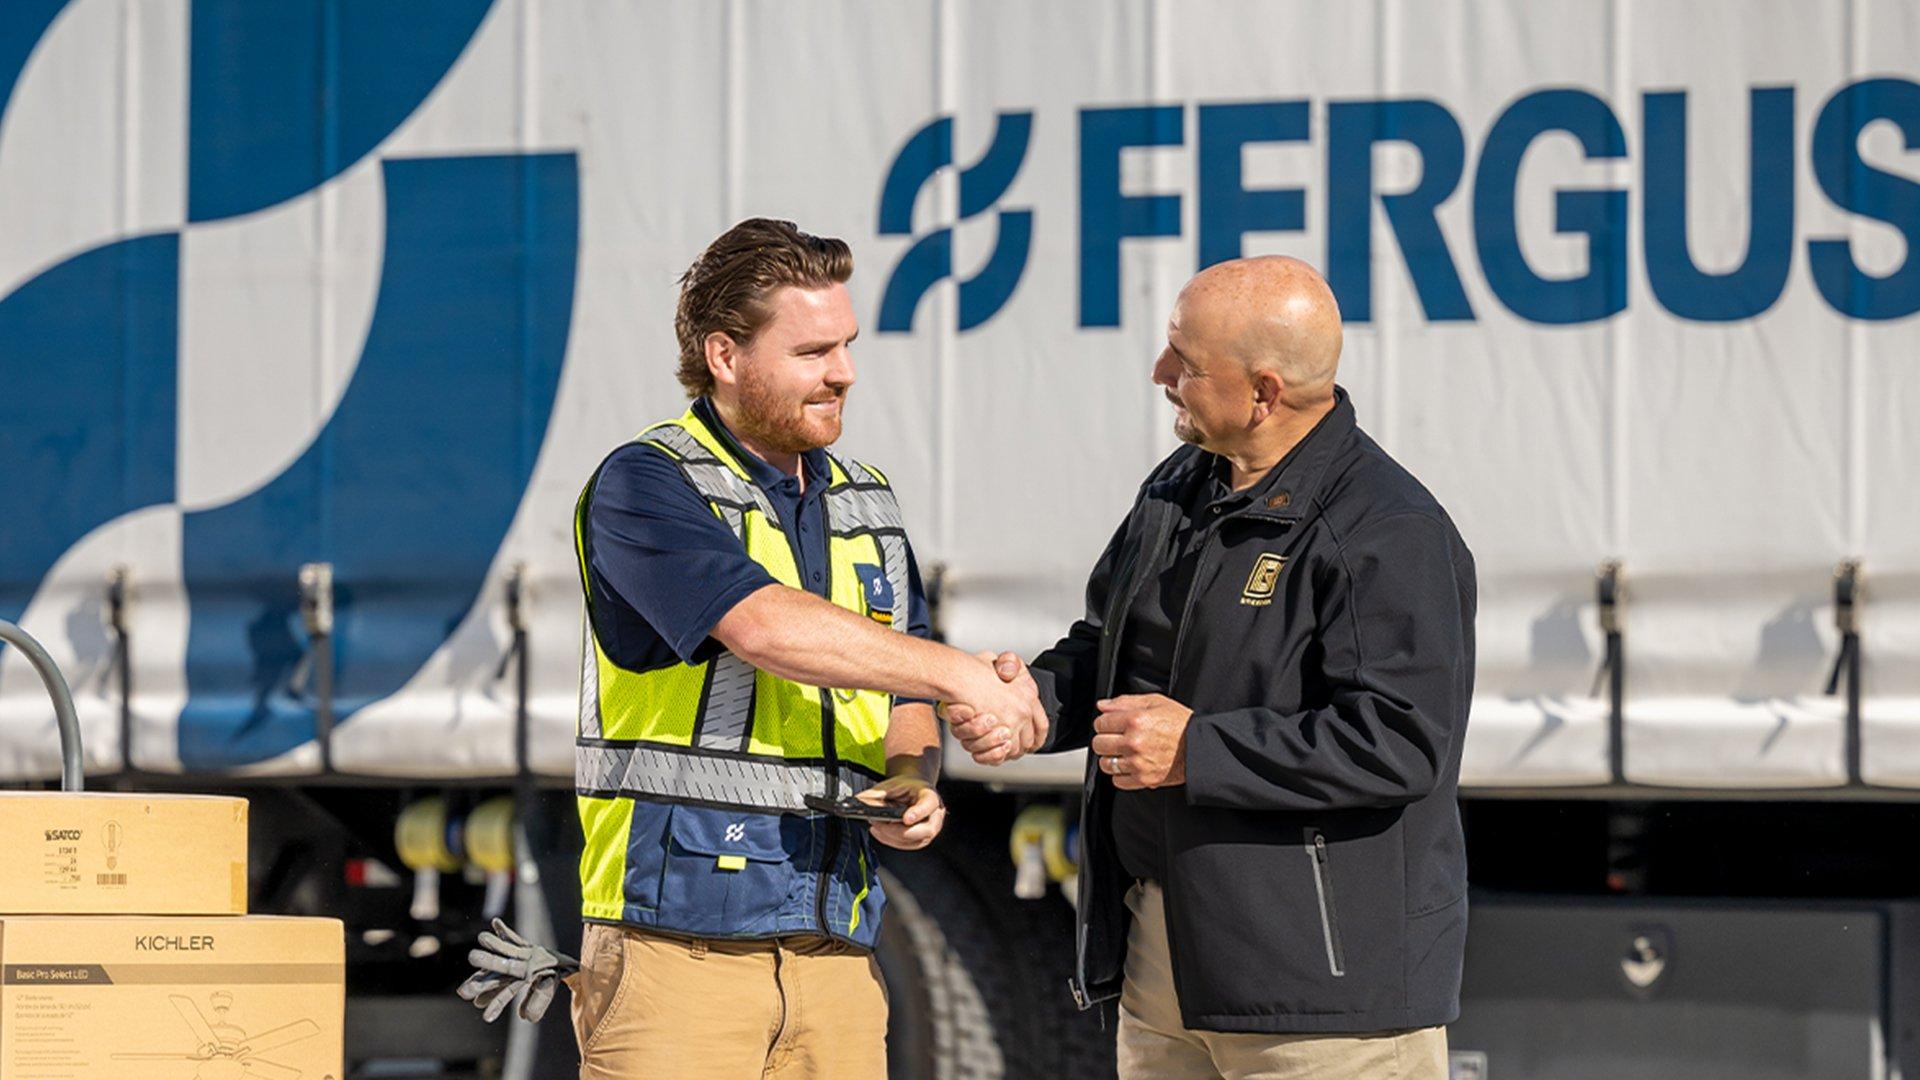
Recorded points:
(72, 777)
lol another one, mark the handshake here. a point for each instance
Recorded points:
(996, 715)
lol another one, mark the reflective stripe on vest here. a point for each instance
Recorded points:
(630, 769)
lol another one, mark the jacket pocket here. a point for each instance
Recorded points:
(727, 872)
(1329, 911)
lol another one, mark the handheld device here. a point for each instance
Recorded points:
(851, 807)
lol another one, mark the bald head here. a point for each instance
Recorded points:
(1273, 313)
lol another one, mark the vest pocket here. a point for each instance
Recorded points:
(727, 872)
(646, 855)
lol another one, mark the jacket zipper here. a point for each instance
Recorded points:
(1186, 612)
(1323, 886)
(1118, 601)
(1117, 604)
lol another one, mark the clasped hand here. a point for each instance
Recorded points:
(1002, 719)
(1141, 740)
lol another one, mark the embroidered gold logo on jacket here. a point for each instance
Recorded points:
(1260, 583)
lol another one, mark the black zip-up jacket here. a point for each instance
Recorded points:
(1316, 873)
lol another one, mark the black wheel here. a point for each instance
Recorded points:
(977, 979)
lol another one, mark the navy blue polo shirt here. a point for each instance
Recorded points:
(667, 570)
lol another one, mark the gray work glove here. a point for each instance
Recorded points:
(513, 970)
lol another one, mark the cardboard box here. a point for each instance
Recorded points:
(117, 997)
(113, 854)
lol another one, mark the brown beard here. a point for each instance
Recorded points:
(779, 424)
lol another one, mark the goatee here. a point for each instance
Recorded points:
(781, 425)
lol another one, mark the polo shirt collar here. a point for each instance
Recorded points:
(814, 462)
(1290, 486)
(1216, 482)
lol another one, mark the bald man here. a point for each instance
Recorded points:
(1273, 676)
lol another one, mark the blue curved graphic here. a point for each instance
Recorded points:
(983, 182)
(926, 152)
(87, 402)
(927, 263)
(22, 24)
(930, 260)
(285, 95)
(986, 292)
(930, 149)
(411, 486)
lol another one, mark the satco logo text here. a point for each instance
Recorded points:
(173, 943)
(1597, 215)
(63, 834)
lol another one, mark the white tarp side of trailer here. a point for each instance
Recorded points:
(92, 145)
(1732, 483)
(90, 153)
(1734, 620)
(1883, 459)
(1728, 466)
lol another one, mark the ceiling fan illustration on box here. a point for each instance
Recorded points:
(223, 1050)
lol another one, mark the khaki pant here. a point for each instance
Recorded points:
(1154, 1043)
(654, 1007)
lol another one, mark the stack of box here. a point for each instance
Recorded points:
(132, 955)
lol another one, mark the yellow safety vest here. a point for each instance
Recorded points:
(723, 733)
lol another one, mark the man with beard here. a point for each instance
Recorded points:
(753, 608)
(1273, 677)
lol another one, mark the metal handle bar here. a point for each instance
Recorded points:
(71, 772)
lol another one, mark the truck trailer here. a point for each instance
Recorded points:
(316, 315)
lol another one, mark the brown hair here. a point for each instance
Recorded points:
(726, 288)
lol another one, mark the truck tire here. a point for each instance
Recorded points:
(977, 979)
